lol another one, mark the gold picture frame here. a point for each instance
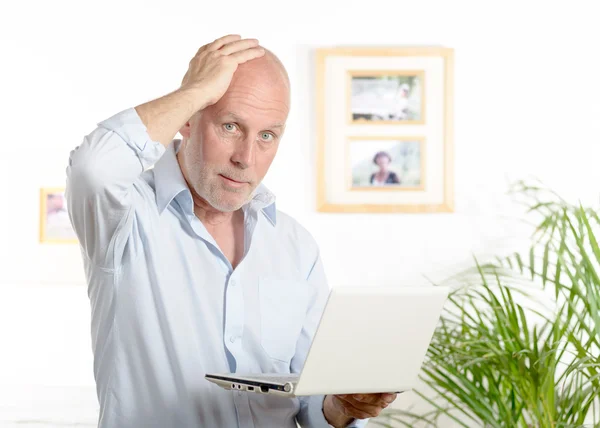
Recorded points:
(336, 129)
(55, 226)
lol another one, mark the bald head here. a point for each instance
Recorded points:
(264, 76)
(267, 70)
(270, 67)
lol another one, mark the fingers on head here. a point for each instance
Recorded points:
(221, 41)
(238, 45)
(248, 54)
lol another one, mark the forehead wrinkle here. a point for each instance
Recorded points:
(230, 111)
(250, 95)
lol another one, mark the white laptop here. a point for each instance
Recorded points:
(369, 340)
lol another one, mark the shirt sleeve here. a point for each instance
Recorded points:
(100, 184)
(311, 407)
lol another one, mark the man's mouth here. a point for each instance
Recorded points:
(232, 181)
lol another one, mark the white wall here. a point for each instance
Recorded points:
(527, 104)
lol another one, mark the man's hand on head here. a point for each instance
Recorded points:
(340, 410)
(212, 68)
(208, 77)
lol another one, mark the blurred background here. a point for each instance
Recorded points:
(527, 102)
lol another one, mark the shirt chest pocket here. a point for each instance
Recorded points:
(283, 309)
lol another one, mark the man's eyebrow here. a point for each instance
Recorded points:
(239, 119)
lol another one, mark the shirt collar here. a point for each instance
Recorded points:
(263, 199)
(169, 183)
(168, 179)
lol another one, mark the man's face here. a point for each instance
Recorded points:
(232, 143)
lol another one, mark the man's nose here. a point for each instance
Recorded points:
(243, 156)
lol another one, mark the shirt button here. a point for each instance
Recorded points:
(232, 283)
(232, 339)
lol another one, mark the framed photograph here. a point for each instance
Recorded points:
(55, 225)
(382, 96)
(386, 163)
(384, 130)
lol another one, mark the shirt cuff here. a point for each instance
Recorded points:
(316, 417)
(129, 126)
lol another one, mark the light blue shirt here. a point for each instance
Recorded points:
(167, 306)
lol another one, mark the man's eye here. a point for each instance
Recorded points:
(267, 136)
(229, 127)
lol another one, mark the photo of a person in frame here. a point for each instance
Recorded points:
(384, 163)
(384, 176)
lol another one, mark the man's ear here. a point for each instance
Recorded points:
(185, 130)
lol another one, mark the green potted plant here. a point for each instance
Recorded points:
(501, 359)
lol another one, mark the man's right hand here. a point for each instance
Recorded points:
(212, 68)
(206, 81)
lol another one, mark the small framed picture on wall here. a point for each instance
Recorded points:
(386, 97)
(55, 225)
(384, 130)
(386, 163)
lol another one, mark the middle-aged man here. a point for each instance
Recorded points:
(190, 267)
